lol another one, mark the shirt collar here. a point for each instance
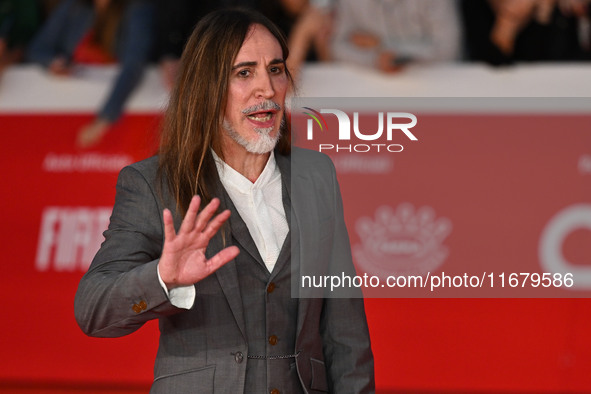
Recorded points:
(232, 178)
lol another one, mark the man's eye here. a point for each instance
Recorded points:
(276, 70)
(244, 73)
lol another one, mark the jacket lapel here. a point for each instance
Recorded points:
(285, 252)
(240, 230)
(227, 275)
(300, 218)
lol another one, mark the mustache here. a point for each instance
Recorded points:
(264, 106)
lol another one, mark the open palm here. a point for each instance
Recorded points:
(183, 261)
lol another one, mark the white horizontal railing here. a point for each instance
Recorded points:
(29, 89)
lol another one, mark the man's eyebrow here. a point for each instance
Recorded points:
(250, 64)
(243, 64)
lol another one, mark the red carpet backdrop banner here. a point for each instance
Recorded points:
(479, 195)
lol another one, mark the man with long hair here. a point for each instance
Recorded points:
(221, 285)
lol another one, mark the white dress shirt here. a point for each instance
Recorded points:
(260, 205)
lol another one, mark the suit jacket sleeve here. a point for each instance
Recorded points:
(121, 291)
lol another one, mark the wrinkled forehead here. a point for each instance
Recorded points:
(259, 42)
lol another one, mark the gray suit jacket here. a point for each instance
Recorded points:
(204, 349)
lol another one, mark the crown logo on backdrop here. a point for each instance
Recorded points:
(404, 241)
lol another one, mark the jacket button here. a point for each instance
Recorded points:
(143, 305)
(238, 357)
(271, 287)
(136, 308)
(274, 391)
(273, 340)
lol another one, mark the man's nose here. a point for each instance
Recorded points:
(264, 86)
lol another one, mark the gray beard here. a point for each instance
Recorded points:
(264, 144)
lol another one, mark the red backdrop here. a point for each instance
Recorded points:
(497, 187)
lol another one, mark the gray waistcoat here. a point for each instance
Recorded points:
(270, 313)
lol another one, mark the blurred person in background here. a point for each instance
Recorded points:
(388, 34)
(19, 20)
(175, 20)
(580, 12)
(501, 32)
(309, 39)
(98, 32)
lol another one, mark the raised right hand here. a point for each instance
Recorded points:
(183, 260)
